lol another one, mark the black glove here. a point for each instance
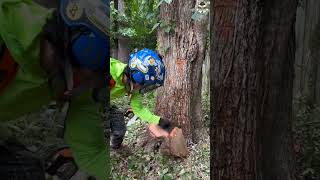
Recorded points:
(166, 125)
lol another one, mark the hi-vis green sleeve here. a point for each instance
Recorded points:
(21, 23)
(85, 135)
(142, 112)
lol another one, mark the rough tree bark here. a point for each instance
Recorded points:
(252, 50)
(307, 68)
(184, 52)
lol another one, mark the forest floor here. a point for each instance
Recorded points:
(40, 128)
(147, 163)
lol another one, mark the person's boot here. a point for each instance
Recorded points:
(118, 147)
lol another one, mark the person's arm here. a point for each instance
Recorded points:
(142, 112)
(85, 135)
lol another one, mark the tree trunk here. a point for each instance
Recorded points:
(114, 50)
(123, 43)
(205, 73)
(123, 49)
(184, 52)
(252, 50)
(206, 66)
(307, 63)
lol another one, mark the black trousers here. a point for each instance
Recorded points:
(118, 127)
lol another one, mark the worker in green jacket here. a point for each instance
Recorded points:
(37, 48)
(144, 72)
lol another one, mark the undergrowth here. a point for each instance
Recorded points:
(307, 138)
(146, 164)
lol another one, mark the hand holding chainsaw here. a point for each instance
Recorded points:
(162, 129)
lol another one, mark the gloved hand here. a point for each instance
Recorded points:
(166, 125)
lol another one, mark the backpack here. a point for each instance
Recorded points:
(78, 40)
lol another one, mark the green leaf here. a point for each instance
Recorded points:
(167, 29)
(182, 172)
(128, 32)
(163, 24)
(168, 177)
(168, 1)
(154, 27)
(196, 16)
(160, 2)
(165, 171)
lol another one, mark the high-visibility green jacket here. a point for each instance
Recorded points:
(21, 22)
(119, 90)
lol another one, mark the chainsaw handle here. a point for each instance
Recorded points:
(157, 132)
(166, 124)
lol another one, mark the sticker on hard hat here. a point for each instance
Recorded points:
(133, 62)
(141, 67)
(90, 13)
(152, 61)
(74, 10)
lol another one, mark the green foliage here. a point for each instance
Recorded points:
(205, 103)
(137, 22)
(146, 164)
(307, 137)
(149, 164)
